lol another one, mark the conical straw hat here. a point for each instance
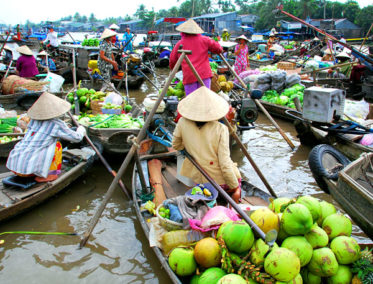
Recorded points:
(242, 37)
(43, 52)
(203, 105)
(7, 48)
(327, 51)
(343, 54)
(190, 27)
(24, 50)
(107, 33)
(114, 27)
(48, 106)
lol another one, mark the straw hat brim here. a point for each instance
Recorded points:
(107, 33)
(43, 53)
(343, 54)
(203, 105)
(48, 106)
(7, 48)
(24, 50)
(190, 27)
(242, 37)
(114, 26)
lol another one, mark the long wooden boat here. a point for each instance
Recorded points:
(255, 63)
(5, 148)
(172, 187)
(353, 189)
(277, 110)
(14, 200)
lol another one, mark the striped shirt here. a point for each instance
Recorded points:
(34, 153)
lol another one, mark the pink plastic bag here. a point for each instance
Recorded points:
(213, 219)
(367, 139)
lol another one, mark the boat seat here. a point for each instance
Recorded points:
(20, 182)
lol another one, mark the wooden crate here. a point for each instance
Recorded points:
(286, 65)
(96, 107)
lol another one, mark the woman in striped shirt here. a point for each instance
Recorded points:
(39, 153)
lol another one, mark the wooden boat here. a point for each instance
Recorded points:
(5, 148)
(255, 63)
(22, 101)
(172, 188)
(353, 189)
(277, 110)
(14, 201)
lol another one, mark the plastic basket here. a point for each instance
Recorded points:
(166, 223)
(111, 111)
(96, 107)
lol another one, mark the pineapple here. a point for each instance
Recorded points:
(363, 268)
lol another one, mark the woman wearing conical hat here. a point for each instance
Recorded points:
(191, 39)
(201, 134)
(39, 153)
(242, 55)
(106, 60)
(26, 64)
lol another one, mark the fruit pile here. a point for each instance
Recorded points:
(164, 212)
(85, 98)
(225, 85)
(177, 90)
(200, 189)
(91, 42)
(314, 245)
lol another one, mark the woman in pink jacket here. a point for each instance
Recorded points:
(191, 39)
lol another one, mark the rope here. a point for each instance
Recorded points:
(145, 196)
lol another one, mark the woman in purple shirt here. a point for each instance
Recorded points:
(26, 63)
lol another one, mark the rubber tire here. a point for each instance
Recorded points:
(315, 162)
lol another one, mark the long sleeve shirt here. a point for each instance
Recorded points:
(26, 66)
(209, 145)
(52, 38)
(35, 152)
(200, 46)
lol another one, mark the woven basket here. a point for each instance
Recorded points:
(166, 223)
(14, 83)
(96, 107)
(215, 87)
(286, 65)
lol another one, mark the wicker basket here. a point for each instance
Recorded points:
(96, 107)
(167, 224)
(215, 83)
(286, 65)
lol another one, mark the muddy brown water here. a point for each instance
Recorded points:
(118, 251)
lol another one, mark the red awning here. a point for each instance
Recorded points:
(174, 20)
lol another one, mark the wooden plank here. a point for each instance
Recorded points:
(167, 188)
(170, 174)
(254, 200)
(6, 174)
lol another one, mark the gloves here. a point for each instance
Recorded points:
(81, 130)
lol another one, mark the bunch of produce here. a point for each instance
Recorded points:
(7, 124)
(268, 68)
(177, 91)
(314, 245)
(85, 97)
(164, 212)
(7, 139)
(111, 106)
(111, 121)
(214, 67)
(91, 42)
(201, 189)
(286, 98)
(225, 85)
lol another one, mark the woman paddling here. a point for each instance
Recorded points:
(39, 153)
(201, 134)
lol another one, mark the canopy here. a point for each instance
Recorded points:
(170, 20)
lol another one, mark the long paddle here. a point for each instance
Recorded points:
(2, 47)
(258, 103)
(269, 238)
(103, 160)
(132, 151)
(233, 133)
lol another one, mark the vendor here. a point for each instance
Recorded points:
(225, 35)
(315, 42)
(241, 51)
(127, 40)
(51, 40)
(26, 64)
(271, 41)
(343, 57)
(191, 39)
(8, 57)
(39, 153)
(165, 52)
(106, 60)
(327, 55)
(201, 134)
(115, 39)
(43, 62)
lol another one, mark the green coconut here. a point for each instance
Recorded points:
(312, 204)
(277, 203)
(323, 262)
(237, 236)
(296, 219)
(195, 279)
(308, 277)
(346, 249)
(211, 275)
(232, 279)
(259, 250)
(343, 276)
(317, 237)
(182, 262)
(300, 246)
(326, 210)
(282, 264)
(296, 280)
(337, 225)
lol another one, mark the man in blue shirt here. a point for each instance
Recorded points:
(127, 39)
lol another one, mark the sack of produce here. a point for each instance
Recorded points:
(278, 76)
(264, 78)
(292, 80)
(263, 87)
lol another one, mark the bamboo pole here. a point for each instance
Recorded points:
(362, 44)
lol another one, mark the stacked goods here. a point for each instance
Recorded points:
(286, 98)
(91, 42)
(111, 121)
(314, 245)
(225, 85)
(177, 90)
(14, 84)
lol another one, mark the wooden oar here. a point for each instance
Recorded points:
(103, 160)
(269, 238)
(131, 152)
(233, 133)
(258, 103)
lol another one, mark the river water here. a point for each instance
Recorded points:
(117, 251)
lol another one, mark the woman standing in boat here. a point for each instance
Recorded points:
(39, 153)
(242, 55)
(191, 39)
(106, 60)
(26, 63)
(201, 134)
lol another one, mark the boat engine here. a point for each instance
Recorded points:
(246, 113)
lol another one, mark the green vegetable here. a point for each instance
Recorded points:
(127, 108)
(82, 99)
